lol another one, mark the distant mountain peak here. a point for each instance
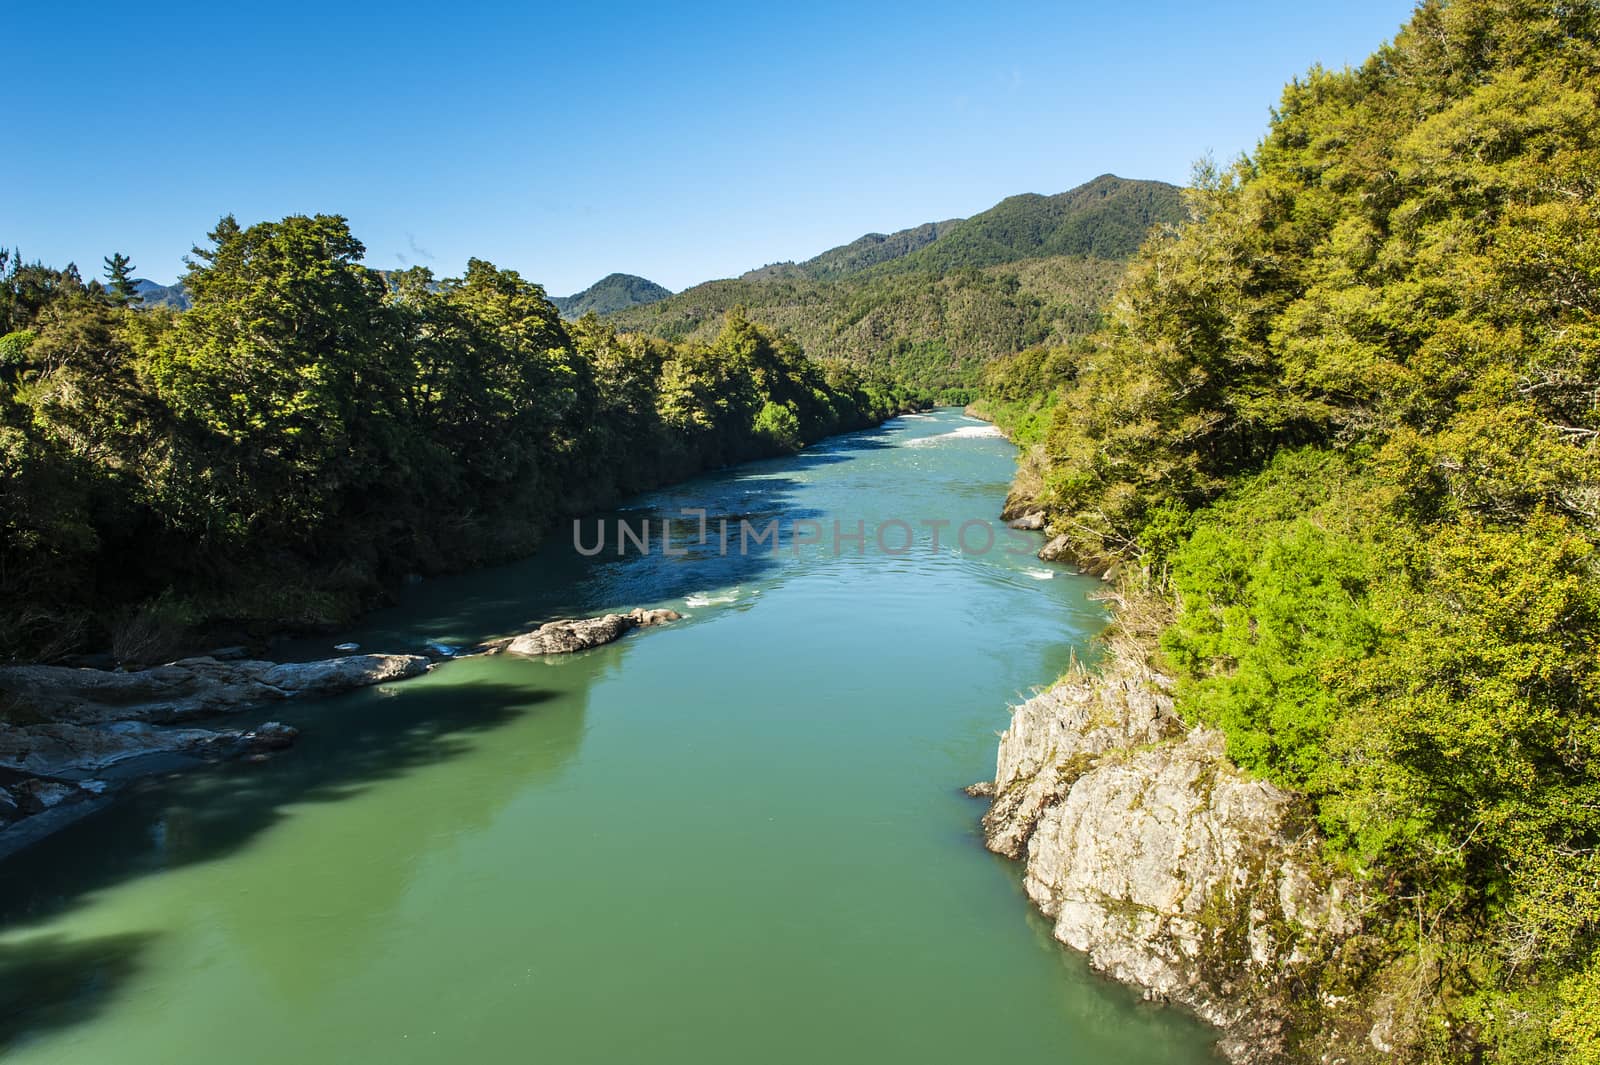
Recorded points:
(154, 295)
(614, 292)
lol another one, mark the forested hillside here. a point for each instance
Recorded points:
(1339, 438)
(310, 429)
(932, 305)
(1106, 218)
(614, 292)
(931, 332)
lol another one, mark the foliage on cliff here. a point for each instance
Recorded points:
(1347, 418)
(311, 428)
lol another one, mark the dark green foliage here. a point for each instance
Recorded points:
(614, 292)
(310, 429)
(1345, 420)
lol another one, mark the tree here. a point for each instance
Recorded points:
(283, 370)
(119, 275)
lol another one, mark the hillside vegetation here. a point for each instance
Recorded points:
(932, 333)
(932, 305)
(311, 429)
(1339, 436)
(1106, 218)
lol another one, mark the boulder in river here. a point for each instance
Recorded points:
(1057, 550)
(580, 634)
(62, 728)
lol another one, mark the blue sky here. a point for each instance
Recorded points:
(680, 142)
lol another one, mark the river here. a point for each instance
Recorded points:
(736, 838)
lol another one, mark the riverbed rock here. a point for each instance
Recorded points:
(62, 728)
(1032, 521)
(579, 634)
(1172, 869)
(187, 689)
(330, 676)
(34, 795)
(63, 751)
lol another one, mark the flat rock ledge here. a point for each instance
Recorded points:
(76, 735)
(1172, 869)
(188, 689)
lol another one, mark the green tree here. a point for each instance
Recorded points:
(119, 277)
(281, 372)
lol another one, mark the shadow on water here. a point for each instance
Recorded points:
(51, 982)
(352, 743)
(348, 744)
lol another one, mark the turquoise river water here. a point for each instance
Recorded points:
(738, 838)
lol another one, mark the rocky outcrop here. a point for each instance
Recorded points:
(1057, 736)
(54, 774)
(1169, 867)
(72, 735)
(69, 736)
(580, 634)
(187, 689)
(74, 752)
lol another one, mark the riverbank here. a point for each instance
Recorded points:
(1167, 866)
(261, 605)
(1148, 851)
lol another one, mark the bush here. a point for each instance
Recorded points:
(777, 426)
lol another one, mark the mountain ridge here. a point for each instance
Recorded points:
(152, 294)
(1105, 217)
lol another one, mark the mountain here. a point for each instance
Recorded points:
(154, 295)
(1106, 218)
(614, 292)
(933, 303)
